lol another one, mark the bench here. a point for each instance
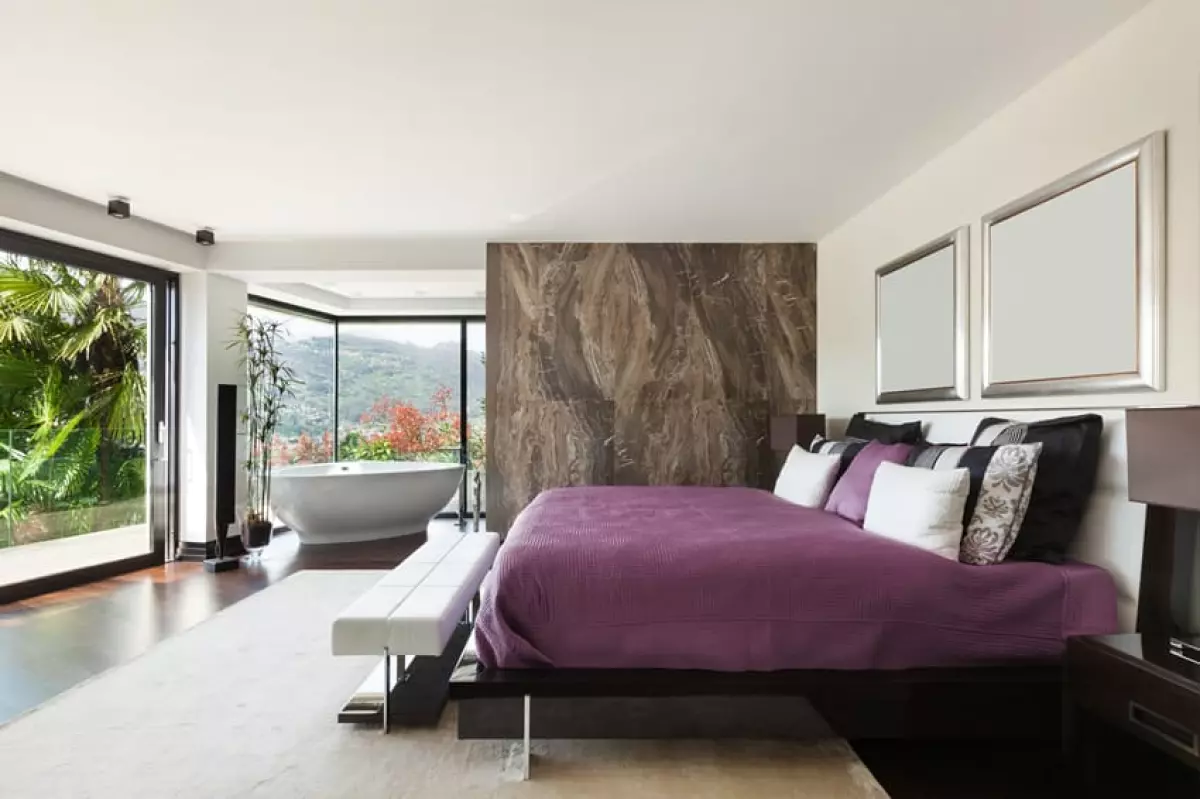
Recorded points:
(414, 614)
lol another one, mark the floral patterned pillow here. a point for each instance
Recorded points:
(1002, 480)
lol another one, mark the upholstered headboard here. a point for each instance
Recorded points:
(1113, 529)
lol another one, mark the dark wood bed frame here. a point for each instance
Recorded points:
(1012, 702)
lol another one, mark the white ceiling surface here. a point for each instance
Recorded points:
(530, 119)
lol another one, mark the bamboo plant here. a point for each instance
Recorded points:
(270, 382)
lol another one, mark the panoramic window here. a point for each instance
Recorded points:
(306, 432)
(384, 390)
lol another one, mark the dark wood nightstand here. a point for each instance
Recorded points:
(1122, 685)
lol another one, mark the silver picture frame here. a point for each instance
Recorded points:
(1148, 156)
(958, 241)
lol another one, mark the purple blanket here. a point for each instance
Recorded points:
(735, 579)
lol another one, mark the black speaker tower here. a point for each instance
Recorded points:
(226, 477)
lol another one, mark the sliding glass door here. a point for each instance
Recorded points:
(86, 394)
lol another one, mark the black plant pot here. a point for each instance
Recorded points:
(255, 536)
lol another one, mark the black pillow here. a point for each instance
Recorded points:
(862, 427)
(1065, 478)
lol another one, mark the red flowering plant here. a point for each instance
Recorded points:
(304, 449)
(399, 430)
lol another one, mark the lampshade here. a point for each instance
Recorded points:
(1164, 456)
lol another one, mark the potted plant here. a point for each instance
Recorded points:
(269, 384)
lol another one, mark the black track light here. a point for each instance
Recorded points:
(205, 237)
(118, 208)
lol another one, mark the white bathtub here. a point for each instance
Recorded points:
(333, 503)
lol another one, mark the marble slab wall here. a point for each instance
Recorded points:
(642, 364)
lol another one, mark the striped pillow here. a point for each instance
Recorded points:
(844, 448)
(1002, 479)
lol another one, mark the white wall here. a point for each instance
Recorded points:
(382, 273)
(1142, 77)
(211, 307)
(295, 258)
(39, 211)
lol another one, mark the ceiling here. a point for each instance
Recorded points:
(419, 284)
(527, 119)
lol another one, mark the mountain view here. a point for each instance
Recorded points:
(372, 369)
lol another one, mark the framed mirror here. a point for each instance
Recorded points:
(921, 323)
(1073, 281)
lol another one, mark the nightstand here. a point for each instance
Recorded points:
(1129, 685)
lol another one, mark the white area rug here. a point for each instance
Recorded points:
(244, 705)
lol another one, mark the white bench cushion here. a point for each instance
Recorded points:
(360, 626)
(414, 609)
(410, 573)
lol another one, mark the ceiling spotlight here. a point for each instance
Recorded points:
(118, 207)
(205, 237)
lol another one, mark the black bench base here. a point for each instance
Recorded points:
(420, 692)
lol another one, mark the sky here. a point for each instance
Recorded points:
(425, 334)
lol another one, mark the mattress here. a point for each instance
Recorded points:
(736, 579)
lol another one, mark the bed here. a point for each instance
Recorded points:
(727, 612)
(738, 580)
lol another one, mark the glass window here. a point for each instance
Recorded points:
(305, 433)
(399, 391)
(476, 416)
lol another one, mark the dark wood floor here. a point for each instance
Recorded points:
(56, 641)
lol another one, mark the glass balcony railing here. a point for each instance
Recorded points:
(68, 483)
(440, 455)
(356, 446)
(84, 480)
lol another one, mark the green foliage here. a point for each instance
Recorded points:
(72, 397)
(270, 385)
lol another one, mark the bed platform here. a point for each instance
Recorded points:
(627, 613)
(667, 612)
(981, 702)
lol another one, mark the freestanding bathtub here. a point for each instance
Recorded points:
(333, 503)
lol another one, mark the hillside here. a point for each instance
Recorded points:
(370, 368)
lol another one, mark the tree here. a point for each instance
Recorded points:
(270, 385)
(72, 343)
(399, 430)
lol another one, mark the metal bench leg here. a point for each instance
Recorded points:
(525, 753)
(387, 690)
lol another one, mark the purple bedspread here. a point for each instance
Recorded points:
(735, 579)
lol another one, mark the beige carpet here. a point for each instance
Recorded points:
(244, 705)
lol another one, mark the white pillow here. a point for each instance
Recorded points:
(806, 477)
(921, 507)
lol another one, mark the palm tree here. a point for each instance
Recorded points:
(72, 342)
